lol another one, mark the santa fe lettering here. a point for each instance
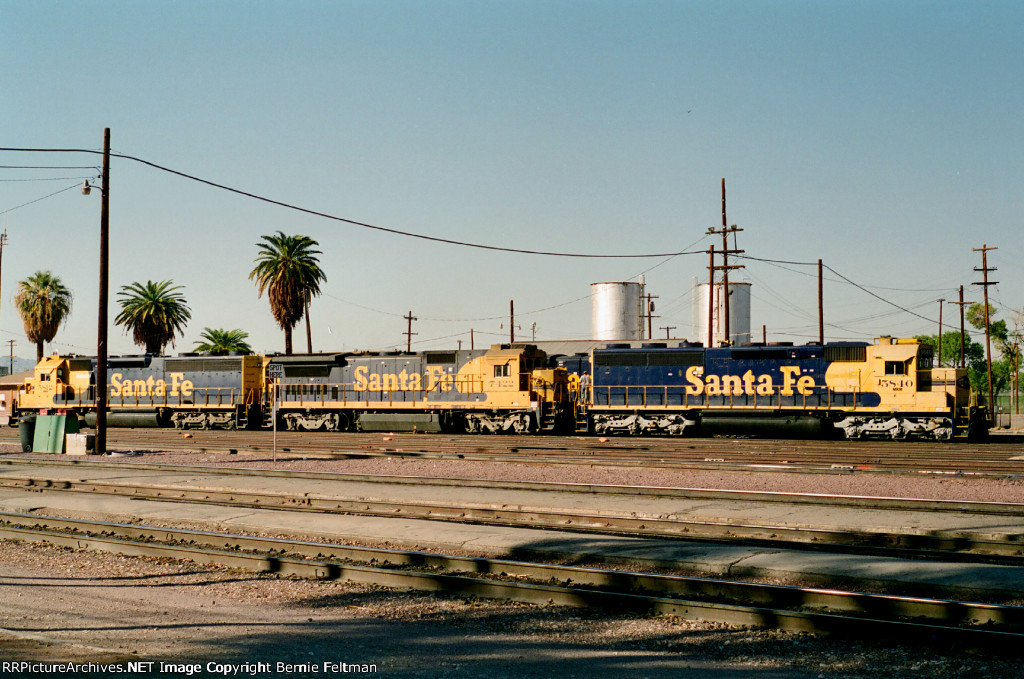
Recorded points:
(748, 384)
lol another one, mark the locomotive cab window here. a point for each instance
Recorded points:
(896, 367)
(503, 370)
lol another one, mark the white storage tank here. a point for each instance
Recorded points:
(616, 310)
(739, 313)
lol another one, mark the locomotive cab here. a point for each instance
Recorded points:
(57, 381)
(519, 385)
(48, 380)
(904, 395)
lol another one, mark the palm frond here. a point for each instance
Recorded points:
(154, 313)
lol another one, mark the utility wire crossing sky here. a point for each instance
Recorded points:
(452, 156)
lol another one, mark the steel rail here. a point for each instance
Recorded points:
(782, 607)
(984, 460)
(858, 501)
(958, 546)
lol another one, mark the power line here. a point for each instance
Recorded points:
(44, 179)
(290, 206)
(50, 167)
(73, 186)
(879, 297)
(847, 280)
(353, 222)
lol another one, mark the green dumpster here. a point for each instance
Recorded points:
(50, 431)
(26, 429)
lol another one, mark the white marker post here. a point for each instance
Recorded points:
(275, 371)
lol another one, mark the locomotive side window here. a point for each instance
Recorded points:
(895, 367)
(503, 370)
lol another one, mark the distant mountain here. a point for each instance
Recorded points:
(20, 364)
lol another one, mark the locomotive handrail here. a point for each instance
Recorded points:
(658, 396)
(222, 396)
(347, 392)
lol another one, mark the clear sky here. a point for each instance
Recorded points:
(884, 138)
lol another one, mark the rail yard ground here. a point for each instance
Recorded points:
(107, 608)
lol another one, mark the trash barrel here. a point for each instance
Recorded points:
(27, 430)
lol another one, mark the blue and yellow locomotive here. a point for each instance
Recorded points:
(887, 389)
(507, 388)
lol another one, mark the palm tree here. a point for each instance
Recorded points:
(44, 303)
(287, 269)
(218, 342)
(154, 313)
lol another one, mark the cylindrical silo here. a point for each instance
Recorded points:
(616, 310)
(739, 313)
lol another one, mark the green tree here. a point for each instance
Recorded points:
(44, 304)
(218, 342)
(288, 270)
(153, 313)
(1000, 337)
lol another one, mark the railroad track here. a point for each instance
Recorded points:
(1001, 456)
(989, 626)
(114, 478)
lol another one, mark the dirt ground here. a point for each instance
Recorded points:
(146, 617)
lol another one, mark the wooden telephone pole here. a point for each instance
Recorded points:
(649, 315)
(409, 333)
(988, 340)
(963, 329)
(724, 268)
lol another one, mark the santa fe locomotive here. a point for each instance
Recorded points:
(886, 389)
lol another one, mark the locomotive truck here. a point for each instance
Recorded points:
(886, 389)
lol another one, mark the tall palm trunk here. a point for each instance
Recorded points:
(287, 341)
(39, 351)
(309, 333)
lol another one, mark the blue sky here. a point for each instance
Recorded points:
(884, 138)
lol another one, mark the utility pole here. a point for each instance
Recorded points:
(100, 446)
(512, 321)
(649, 314)
(11, 369)
(963, 329)
(726, 251)
(711, 298)
(668, 328)
(988, 340)
(940, 332)
(409, 333)
(821, 304)
(3, 240)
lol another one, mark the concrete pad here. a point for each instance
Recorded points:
(710, 559)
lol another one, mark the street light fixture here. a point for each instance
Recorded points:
(100, 446)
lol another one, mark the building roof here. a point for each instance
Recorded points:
(15, 380)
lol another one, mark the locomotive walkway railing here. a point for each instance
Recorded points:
(347, 394)
(646, 396)
(200, 397)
